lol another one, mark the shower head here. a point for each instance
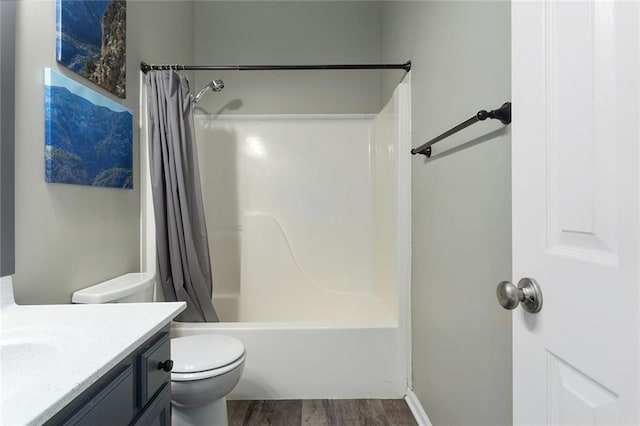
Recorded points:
(214, 86)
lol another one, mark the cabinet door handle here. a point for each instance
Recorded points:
(166, 365)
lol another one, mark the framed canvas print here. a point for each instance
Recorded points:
(91, 41)
(88, 137)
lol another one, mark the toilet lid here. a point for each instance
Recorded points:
(204, 352)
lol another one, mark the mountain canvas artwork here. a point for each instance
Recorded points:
(88, 137)
(91, 41)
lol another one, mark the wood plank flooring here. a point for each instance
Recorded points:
(320, 412)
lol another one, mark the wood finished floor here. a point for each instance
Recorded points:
(320, 412)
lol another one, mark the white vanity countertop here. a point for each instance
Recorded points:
(52, 353)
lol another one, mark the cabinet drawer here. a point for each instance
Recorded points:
(112, 405)
(151, 377)
(158, 413)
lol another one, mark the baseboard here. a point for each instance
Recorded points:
(416, 409)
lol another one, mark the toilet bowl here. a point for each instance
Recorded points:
(206, 367)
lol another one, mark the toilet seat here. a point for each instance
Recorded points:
(203, 356)
(201, 375)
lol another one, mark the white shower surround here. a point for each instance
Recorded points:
(321, 305)
(289, 208)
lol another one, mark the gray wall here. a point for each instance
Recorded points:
(69, 236)
(461, 206)
(7, 75)
(275, 32)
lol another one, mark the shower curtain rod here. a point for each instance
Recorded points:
(144, 67)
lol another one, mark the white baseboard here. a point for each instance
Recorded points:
(416, 409)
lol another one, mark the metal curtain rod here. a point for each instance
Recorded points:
(144, 67)
(503, 114)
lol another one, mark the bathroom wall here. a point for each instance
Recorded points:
(289, 32)
(461, 205)
(7, 76)
(69, 236)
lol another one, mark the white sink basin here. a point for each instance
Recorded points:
(28, 354)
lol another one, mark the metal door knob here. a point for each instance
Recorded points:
(528, 293)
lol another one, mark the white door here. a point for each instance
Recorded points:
(576, 197)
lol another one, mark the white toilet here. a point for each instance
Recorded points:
(206, 367)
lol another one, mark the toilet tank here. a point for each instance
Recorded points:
(128, 288)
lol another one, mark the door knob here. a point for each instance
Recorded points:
(528, 293)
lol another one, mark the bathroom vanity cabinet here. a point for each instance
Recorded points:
(136, 391)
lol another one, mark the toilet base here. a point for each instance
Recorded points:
(211, 414)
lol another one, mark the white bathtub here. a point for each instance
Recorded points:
(319, 319)
(303, 361)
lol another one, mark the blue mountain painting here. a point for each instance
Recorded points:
(81, 35)
(88, 138)
(91, 40)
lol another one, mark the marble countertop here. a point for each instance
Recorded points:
(52, 353)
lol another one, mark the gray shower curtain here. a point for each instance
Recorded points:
(184, 268)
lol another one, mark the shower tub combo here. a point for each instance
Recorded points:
(309, 232)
